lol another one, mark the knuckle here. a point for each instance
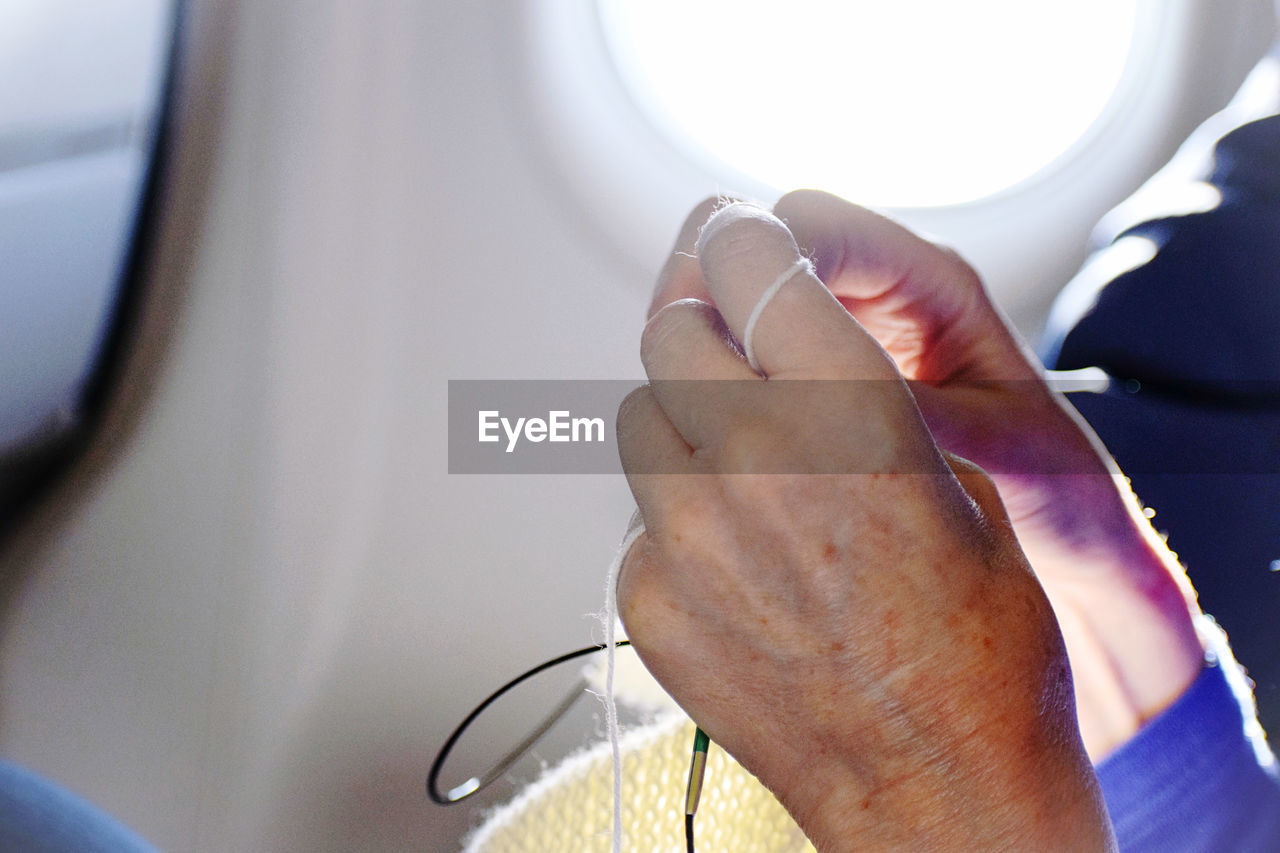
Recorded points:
(801, 202)
(749, 448)
(638, 583)
(657, 330)
(672, 319)
(959, 268)
(635, 418)
(633, 406)
(657, 565)
(977, 483)
(967, 471)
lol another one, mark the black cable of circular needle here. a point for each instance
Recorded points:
(478, 783)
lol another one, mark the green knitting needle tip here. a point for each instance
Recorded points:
(697, 769)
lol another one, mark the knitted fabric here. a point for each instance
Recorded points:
(570, 808)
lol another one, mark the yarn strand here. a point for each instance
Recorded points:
(609, 616)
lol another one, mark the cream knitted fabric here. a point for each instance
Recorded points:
(570, 808)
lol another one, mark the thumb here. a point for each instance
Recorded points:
(923, 303)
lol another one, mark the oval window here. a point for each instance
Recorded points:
(909, 104)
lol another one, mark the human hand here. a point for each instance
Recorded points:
(872, 645)
(1123, 604)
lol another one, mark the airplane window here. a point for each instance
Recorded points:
(913, 104)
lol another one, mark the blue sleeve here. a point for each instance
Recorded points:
(1199, 777)
(37, 816)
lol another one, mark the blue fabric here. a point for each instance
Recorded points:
(1191, 780)
(1203, 315)
(40, 817)
(1192, 339)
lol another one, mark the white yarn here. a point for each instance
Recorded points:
(765, 298)
(610, 618)
(633, 686)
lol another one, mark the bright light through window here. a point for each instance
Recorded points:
(905, 103)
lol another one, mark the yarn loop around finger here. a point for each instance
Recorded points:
(748, 335)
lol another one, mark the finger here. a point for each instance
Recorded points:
(690, 340)
(776, 306)
(681, 277)
(693, 364)
(924, 304)
(652, 452)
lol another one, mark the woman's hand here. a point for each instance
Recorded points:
(1123, 603)
(834, 600)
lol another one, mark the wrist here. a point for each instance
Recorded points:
(1003, 795)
